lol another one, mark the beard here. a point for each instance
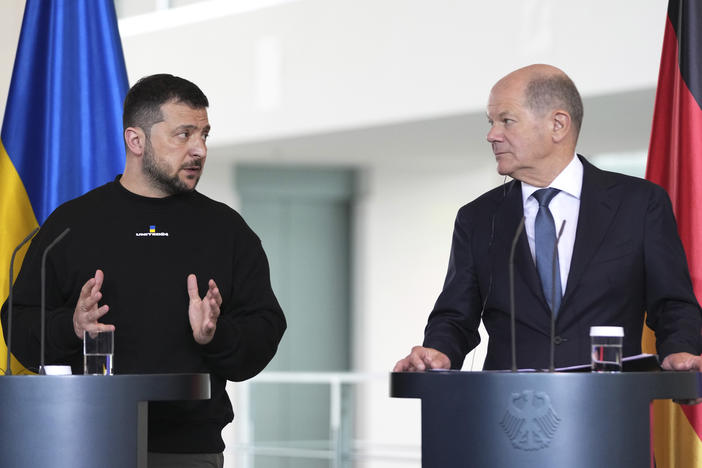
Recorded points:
(158, 173)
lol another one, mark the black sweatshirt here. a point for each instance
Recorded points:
(146, 248)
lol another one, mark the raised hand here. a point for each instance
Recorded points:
(87, 312)
(203, 313)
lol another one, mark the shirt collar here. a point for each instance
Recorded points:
(570, 181)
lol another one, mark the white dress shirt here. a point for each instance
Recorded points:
(564, 206)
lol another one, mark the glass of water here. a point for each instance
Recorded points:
(98, 352)
(606, 348)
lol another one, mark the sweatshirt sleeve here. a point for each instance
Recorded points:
(251, 325)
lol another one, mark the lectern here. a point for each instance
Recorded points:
(530, 419)
(84, 420)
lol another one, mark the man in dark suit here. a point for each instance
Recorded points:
(618, 257)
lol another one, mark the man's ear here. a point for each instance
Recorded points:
(135, 139)
(561, 125)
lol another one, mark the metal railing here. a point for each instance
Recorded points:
(341, 449)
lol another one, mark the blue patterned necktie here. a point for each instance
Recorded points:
(544, 240)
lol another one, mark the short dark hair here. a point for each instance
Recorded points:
(142, 105)
(545, 93)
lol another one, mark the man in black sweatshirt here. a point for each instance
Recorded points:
(182, 279)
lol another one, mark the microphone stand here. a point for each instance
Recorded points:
(42, 367)
(8, 369)
(512, 314)
(554, 263)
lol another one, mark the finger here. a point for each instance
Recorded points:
(439, 361)
(105, 327)
(100, 312)
(192, 288)
(416, 360)
(401, 366)
(213, 292)
(214, 309)
(435, 359)
(217, 297)
(99, 278)
(90, 317)
(680, 363)
(210, 318)
(87, 288)
(86, 304)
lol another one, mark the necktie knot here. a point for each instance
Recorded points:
(544, 196)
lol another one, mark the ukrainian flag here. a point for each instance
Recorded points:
(62, 131)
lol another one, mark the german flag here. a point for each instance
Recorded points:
(675, 163)
(62, 130)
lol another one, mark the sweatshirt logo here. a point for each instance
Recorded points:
(152, 232)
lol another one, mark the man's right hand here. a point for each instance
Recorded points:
(87, 313)
(421, 359)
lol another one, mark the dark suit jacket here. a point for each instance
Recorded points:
(627, 259)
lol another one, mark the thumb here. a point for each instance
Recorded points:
(192, 288)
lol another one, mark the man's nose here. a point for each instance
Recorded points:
(494, 134)
(198, 148)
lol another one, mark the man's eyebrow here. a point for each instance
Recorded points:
(191, 127)
(501, 115)
(186, 127)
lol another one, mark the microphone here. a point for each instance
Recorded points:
(8, 369)
(520, 228)
(42, 367)
(505, 192)
(553, 297)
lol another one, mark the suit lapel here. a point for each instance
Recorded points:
(509, 216)
(597, 209)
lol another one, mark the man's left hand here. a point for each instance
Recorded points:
(203, 312)
(682, 362)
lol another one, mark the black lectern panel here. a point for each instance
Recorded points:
(84, 420)
(515, 420)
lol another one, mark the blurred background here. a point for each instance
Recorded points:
(348, 133)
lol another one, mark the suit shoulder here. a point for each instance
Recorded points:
(488, 201)
(631, 184)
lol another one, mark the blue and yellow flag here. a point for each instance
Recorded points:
(62, 129)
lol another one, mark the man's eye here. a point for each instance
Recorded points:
(205, 136)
